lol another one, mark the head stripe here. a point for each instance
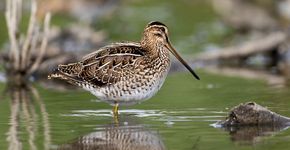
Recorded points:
(155, 23)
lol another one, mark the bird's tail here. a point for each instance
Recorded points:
(66, 72)
(56, 74)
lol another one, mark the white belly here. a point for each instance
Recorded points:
(112, 94)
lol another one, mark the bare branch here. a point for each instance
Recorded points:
(33, 45)
(30, 33)
(43, 44)
(10, 16)
(22, 46)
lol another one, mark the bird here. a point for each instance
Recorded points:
(125, 73)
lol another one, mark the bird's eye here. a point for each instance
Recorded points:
(158, 34)
(162, 29)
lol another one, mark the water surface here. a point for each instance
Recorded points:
(178, 117)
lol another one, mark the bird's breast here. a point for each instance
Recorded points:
(136, 86)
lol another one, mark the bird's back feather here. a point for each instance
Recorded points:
(104, 66)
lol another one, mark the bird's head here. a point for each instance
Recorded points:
(156, 33)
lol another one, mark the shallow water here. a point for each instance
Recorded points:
(179, 117)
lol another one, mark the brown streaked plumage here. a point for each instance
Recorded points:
(125, 73)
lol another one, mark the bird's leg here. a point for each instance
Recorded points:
(116, 113)
(115, 110)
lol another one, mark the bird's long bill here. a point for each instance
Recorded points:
(173, 51)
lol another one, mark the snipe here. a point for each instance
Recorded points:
(125, 73)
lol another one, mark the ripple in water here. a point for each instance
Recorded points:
(168, 117)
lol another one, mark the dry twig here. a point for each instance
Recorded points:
(22, 47)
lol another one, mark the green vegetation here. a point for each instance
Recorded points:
(192, 24)
(3, 30)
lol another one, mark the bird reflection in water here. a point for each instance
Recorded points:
(24, 119)
(118, 137)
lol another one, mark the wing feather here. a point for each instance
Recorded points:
(106, 65)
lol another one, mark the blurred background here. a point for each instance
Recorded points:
(240, 49)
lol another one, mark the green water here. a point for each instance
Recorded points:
(178, 117)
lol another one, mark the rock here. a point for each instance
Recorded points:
(247, 123)
(253, 114)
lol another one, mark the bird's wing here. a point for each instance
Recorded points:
(106, 65)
